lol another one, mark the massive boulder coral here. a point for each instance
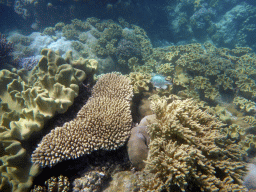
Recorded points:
(28, 99)
(187, 151)
(104, 122)
(137, 146)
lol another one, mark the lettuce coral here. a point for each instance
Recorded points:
(187, 151)
(140, 82)
(245, 104)
(203, 71)
(28, 99)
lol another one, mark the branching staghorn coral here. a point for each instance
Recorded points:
(104, 122)
(188, 152)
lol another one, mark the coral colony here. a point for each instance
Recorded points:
(141, 96)
(28, 63)
(6, 48)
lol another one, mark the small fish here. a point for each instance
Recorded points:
(159, 81)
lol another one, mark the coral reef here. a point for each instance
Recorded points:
(140, 82)
(128, 45)
(28, 63)
(203, 71)
(54, 185)
(20, 7)
(138, 146)
(6, 50)
(127, 49)
(104, 123)
(182, 22)
(73, 30)
(248, 144)
(6, 47)
(124, 181)
(189, 20)
(187, 152)
(28, 99)
(138, 142)
(235, 132)
(49, 31)
(202, 16)
(226, 33)
(89, 182)
(244, 104)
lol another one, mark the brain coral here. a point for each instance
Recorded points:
(188, 152)
(104, 122)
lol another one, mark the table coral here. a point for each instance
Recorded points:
(28, 100)
(104, 123)
(188, 151)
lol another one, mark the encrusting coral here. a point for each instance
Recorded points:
(104, 122)
(188, 152)
(28, 100)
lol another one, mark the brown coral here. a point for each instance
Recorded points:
(28, 100)
(188, 152)
(140, 81)
(244, 104)
(138, 142)
(103, 123)
(53, 185)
